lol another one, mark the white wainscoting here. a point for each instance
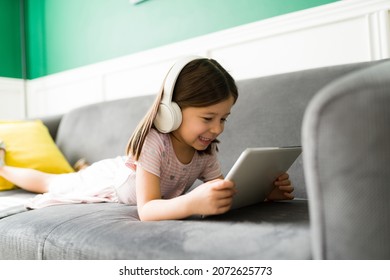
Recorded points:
(12, 99)
(341, 32)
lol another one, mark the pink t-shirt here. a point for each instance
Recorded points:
(159, 158)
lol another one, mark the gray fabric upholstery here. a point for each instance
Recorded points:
(269, 112)
(113, 231)
(346, 137)
(11, 201)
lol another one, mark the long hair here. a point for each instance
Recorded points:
(202, 82)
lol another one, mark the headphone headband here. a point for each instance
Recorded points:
(173, 74)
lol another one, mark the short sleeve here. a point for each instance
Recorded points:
(151, 154)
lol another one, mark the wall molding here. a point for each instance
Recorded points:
(12, 98)
(379, 26)
(337, 33)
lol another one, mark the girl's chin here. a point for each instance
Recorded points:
(201, 148)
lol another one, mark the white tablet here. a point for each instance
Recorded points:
(255, 171)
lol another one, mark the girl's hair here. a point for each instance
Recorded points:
(202, 82)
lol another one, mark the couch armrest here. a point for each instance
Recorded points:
(346, 156)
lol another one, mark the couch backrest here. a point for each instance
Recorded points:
(268, 112)
(101, 130)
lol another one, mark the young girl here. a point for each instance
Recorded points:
(175, 144)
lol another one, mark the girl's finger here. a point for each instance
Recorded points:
(283, 183)
(286, 188)
(288, 196)
(226, 193)
(284, 176)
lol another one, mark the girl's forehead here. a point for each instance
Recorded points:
(222, 107)
(227, 103)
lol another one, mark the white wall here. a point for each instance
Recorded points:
(338, 33)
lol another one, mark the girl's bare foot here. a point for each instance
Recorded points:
(80, 164)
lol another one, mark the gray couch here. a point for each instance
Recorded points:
(269, 112)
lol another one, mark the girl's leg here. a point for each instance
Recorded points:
(26, 178)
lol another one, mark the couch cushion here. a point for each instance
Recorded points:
(276, 230)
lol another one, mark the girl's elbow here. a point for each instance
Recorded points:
(145, 216)
(142, 216)
(144, 219)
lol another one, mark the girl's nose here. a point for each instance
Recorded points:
(217, 128)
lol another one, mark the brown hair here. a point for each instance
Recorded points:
(202, 82)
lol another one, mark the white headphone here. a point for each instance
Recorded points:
(169, 115)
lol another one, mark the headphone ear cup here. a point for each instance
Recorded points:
(168, 117)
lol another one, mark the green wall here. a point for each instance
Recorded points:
(64, 34)
(10, 39)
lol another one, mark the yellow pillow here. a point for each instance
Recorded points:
(29, 144)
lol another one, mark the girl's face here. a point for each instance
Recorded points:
(201, 125)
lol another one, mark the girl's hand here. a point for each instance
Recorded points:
(283, 189)
(212, 198)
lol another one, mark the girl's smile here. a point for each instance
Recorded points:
(205, 141)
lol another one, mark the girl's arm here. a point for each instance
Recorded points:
(214, 197)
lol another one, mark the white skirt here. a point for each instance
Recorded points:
(100, 175)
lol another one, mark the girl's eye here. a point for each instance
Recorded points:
(207, 119)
